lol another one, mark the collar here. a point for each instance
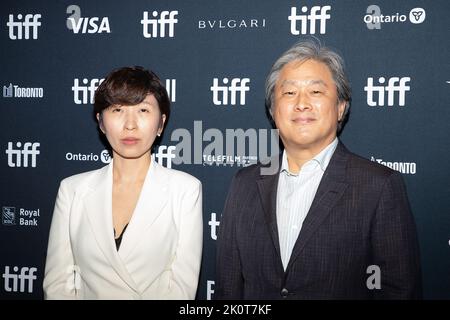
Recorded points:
(322, 159)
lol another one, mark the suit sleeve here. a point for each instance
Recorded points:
(229, 281)
(59, 279)
(395, 244)
(186, 266)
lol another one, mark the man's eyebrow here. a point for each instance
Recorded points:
(303, 82)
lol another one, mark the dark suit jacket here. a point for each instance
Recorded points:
(359, 217)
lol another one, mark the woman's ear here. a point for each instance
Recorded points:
(100, 122)
(161, 125)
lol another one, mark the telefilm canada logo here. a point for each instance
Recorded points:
(374, 18)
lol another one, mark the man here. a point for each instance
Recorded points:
(328, 224)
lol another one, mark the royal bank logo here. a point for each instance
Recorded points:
(9, 216)
(394, 88)
(16, 91)
(161, 24)
(374, 18)
(229, 91)
(83, 25)
(22, 29)
(25, 216)
(316, 16)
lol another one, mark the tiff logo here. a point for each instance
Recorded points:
(171, 86)
(237, 85)
(16, 282)
(19, 157)
(314, 16)
(86, 91)
(166, 153)
(214, 225)
(395, 85)
(167, 18)
(31, 21)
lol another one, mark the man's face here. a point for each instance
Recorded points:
(306, 108)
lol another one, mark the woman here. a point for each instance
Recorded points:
(132, 229)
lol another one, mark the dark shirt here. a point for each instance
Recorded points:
(119, 239)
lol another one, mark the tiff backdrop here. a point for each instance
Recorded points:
(213, 57)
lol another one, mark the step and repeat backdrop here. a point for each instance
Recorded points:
(214, 56)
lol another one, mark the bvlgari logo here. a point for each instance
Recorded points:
(232, 24)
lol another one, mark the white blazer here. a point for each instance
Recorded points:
(160, 253)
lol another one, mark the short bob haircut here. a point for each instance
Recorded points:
(312, 50)
(129, 86)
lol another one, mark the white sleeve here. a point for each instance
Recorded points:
(60, 274)
(186, 266)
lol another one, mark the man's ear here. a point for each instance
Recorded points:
(341, 110)
(100, 122)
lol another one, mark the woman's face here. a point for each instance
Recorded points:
(131, 130)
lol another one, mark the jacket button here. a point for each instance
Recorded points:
(284, 293)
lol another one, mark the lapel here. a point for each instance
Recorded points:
(330, 190)
(98, 209)
(267, 188)
(152, 200)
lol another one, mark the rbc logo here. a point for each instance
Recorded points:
(395, 84)
(31, 21)
(166, 18)
(323, 16)
(9, 216)
(237, 85)
(15, 282)
(15, 159)
(87, 91)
